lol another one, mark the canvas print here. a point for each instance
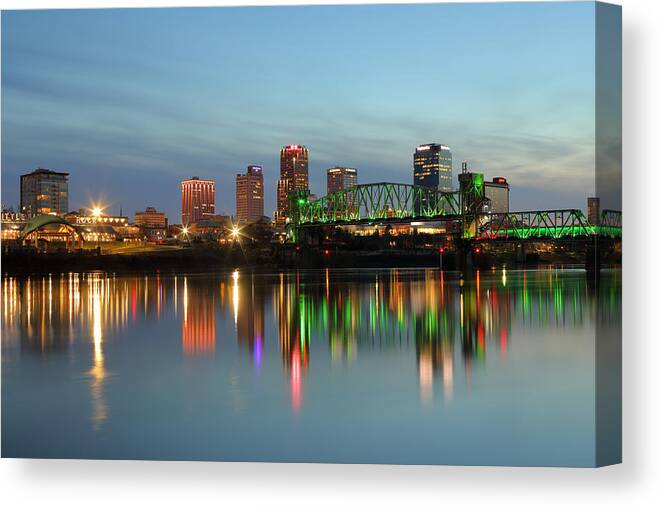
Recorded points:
(344, 233)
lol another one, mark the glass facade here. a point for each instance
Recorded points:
(432, 166)
(339, 178)
(498, 193)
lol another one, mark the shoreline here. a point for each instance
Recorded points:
(201, 260)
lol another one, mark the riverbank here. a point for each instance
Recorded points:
(130, 261)
(204, 258)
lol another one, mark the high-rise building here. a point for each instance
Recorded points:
(293, 176)
(340, 178)
(432, 167)
(44, 192)
(250, 195)
(198, 199)
(498, 193)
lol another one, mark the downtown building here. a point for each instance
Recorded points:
(44, 192)
(594, 210)
(250, 195)
(340, 178)
(498, 193)
(198, 199)
(432, 167)
(293, 177)
(152, 223)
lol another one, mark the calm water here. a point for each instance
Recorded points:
(398, 366)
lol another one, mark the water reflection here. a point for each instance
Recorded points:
(250, 317)
(451, 325)
(198, 324)
(98, 372)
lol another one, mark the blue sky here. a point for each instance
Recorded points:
(131, 101)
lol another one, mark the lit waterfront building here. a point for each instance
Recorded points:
(44, 192)
(98, 227)
(198, 199)
(340, 178)
(250, 195)
(498, 193)
(293, 176)
(96, 217)
(432, 167)
(11, 224)
(216, 226)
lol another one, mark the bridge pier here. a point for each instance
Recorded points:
(520, 253)
(593, 257)
(464, 255)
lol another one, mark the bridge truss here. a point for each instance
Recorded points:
(377, 201)
(550, 224)
(384, 202)
(533, 224)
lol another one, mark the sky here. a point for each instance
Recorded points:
(132, 101)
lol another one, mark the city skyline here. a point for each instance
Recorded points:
(152, 108)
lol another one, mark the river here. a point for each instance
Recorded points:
(370, 366)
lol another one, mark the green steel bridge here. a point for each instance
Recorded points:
(547, 224)
(398, 202)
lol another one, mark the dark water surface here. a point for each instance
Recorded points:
(383, 366)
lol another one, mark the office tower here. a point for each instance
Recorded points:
(250, 195)
(44, 192)
(197, 200)
(340, 178)
(293, 176)
(432, 167)
(498, 193)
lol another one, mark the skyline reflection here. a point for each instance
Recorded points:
(452, 325)
(198, 324)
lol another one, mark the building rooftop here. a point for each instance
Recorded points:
(41, 170)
